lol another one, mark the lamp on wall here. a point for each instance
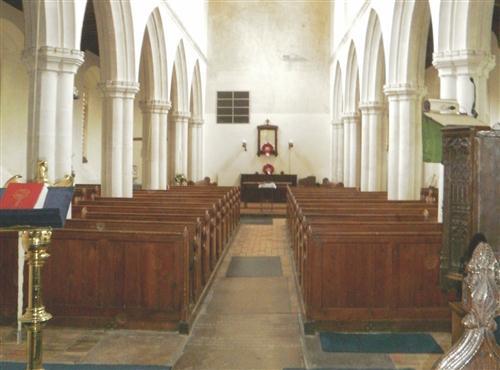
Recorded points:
(290, 144)
(244, 145)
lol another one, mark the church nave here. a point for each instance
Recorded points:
(250, 319)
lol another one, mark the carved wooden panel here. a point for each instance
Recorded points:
(460, 197)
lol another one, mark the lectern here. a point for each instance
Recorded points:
(35, 227)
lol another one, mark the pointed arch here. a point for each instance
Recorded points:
(337, 107)
(462, 25)
(153, 66)
(115, 32)
(410, 26)
(60, 26)
(182, 90)
(196, 94)
(373, 75)
(351, 96)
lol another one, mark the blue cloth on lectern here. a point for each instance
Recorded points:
(59, 198)
(53, 214)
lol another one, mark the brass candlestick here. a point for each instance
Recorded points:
(35, 243)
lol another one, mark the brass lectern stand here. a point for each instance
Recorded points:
(36, 240)
(35, 243)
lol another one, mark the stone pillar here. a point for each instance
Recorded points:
(52, 72)
(373, 146)
(353, 141)
(117, 138)
(393, 146)
(181, 143)
(457, 67)
(163, 139)
(365, 148)
(334, 152)
(405, 142)
(340, 152)
(346, 151)
(196, 155)
(153, 155)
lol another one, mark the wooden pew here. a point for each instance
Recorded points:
(198, 241)
(362, 261)
(375, 280)
(109, 278)
(110, 232)
(212, 219)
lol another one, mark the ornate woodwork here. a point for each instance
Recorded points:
(460, 210)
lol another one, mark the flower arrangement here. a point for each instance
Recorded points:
(180, 179)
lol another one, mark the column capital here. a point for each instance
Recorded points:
(464, 62)
(155, 106)
(119, 89)
(404, 89)
(371, 107)
(50, 58)
(181, 116)
(197, 121)
(350, 116)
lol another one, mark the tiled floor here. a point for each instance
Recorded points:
(68, 346)
(245, 323)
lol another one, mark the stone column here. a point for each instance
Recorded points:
(405, 142)
(373, 146)
(52, 72)
(196, 155)
(456, 67)
(181, 142)
(353, 140)
(117, 138)
(340, 152)
(163, 160)
(152, 136)
(346, 151)
(365, 148)
(333, 151)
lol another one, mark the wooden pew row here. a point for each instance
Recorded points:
(220, 228)
(374, 281)
(220, 218)
(200, 253)
(216, 246)
(228, 209)
(203, 251)
(108, 278)
(327, 228)
(86, 192)
(346, 231)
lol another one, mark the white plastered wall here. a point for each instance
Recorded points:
(247, 53)
(14, 87)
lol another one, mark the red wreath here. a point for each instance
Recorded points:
(268, 169)
(267, 149)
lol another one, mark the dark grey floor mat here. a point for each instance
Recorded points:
(255, 267)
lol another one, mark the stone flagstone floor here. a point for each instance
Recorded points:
(245, 323)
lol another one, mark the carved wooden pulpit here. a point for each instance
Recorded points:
(460, 203)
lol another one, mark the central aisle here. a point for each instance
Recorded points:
(250, 319)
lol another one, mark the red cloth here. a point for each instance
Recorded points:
(23, 196)
(268, 169)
